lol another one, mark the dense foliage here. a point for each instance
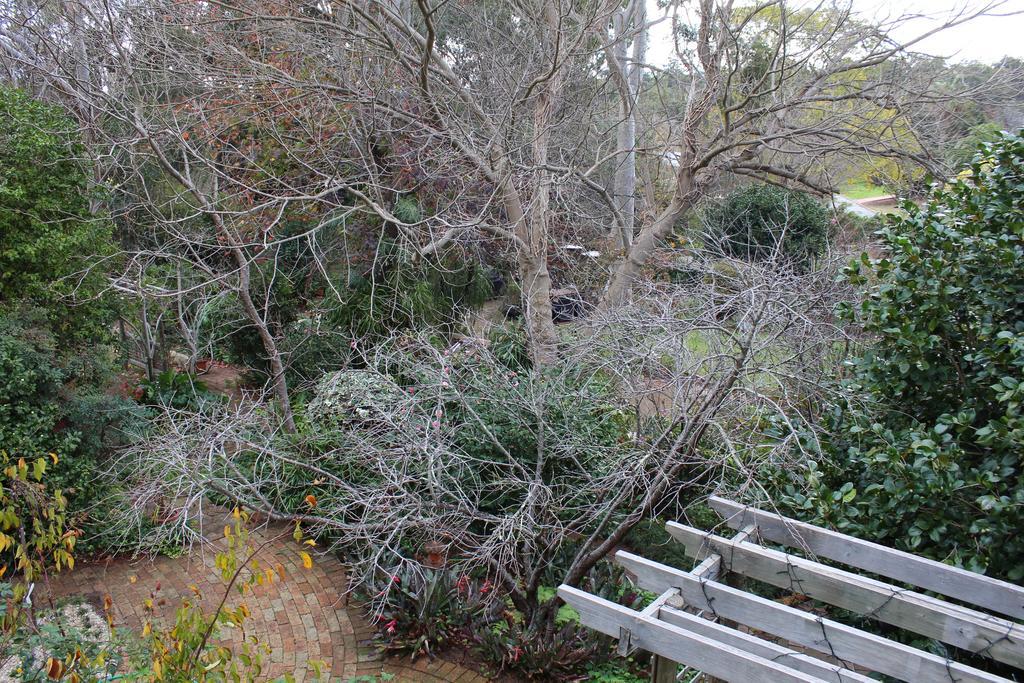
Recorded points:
(403, 291)
(927, 455)
(431, 610)
(765, 221)
(55, 400)
(48, 236)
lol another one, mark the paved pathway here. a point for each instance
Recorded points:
(303, 618)
(852, 206)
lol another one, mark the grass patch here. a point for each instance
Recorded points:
(862, 190)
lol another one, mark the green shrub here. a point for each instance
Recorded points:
(759, 220)
(427, 610)
(963, 151)
(46, 227)
(310, 353)
(503, 416)
(560, 652)
(402, 292)
(927, 455)
(178, 390)
(509, 345)
(52, 401)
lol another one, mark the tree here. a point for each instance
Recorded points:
(529, 477)
(626, 68)
(48, 236)
(927, 454)
(500, 110)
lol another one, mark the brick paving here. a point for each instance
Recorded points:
(305, 617)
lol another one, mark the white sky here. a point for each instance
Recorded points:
(985, 39)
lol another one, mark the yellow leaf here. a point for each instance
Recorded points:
(132, 578)
(53, 456)
(147, 629)
(158, 669)
(235, 513)
(227, 531)
(3, 570)
(310, 541)
(307, 561)
(54, 669)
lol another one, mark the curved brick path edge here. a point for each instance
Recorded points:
(305, 617)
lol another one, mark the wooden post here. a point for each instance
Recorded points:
(663, 670)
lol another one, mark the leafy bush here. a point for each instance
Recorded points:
(503, 416)
(310, 351)
(559, 648)
(556, 653)
(961, 153)
(759, 220)
(932, 462)
(51, 401)
(402, 292)
(46, 226)
(178, 390)
(508, 345)
(426, 611)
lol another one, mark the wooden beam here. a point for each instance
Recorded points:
(845, 643)
(959, 626)
(983, 591)
(626, 646)
(761, 648)
(711, 567)
(710, 656)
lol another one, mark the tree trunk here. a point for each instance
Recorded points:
(626, 272)
(534, 279)
(625, 172)
(278, 381)
(531, 228)
(630, 69)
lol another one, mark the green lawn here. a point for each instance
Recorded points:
(862, 190)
